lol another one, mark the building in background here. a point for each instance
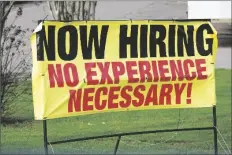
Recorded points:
(135, 10)
(219, 12)
(209, 9)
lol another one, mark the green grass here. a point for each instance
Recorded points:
(27, 136)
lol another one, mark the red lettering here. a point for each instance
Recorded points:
(189, 93)
(165, 92)
(90, 73)
(99, 92)
(201, 69)
(75, 80)
(176, 70)
(179, 90)
(144, 69)
(55, 75)
(112, 96)
(126, 96)
(87, 98)
(74, 100)
(118, 70)
(139, 95)
(162, 70)
(187, 64)
(151, 96)
(105, 73)
(155, 71)
(131, 72)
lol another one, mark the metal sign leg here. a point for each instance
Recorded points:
(117, 144)
(215, 130)
(45, 137)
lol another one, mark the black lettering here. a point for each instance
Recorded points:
(143, 41)
(171, 40)
(93, 39)
(200, 40)
(132, 41)
(154, 40)
(73, 42)
(182, 39)
(48, 43)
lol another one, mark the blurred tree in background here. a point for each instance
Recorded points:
(73, 10)
(13, 59)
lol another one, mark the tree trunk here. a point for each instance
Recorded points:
(1, 29)
(5, 8)
(2, 5)
(75, 10)
(1, 20)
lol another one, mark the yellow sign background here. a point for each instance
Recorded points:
(53, 102)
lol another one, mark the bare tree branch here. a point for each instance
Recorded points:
(13, 61)
(73, 11)
(89, 10)
(53, 8)
(94, 10)
(76, 10)
(8, 11)
(83, 10)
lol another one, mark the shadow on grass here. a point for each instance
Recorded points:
(14, 121)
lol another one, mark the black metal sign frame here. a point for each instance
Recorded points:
(119, 135)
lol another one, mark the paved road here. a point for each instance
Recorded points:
(223, 59)
(108, 10)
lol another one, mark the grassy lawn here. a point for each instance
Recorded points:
(26, 135)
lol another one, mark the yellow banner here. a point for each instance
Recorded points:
(91, 67)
